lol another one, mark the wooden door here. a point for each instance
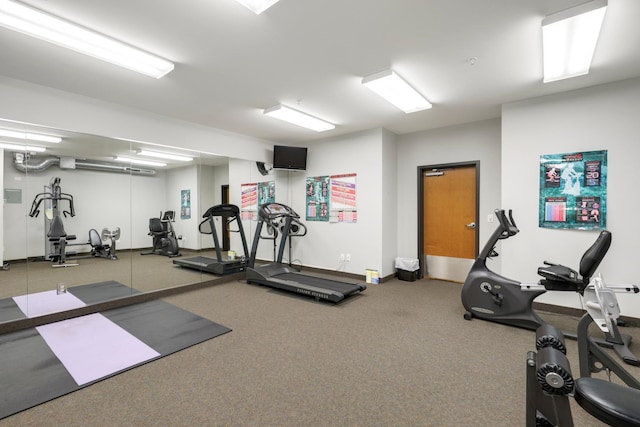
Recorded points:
(449, 221)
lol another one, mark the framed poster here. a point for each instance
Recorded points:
(249, 201)
(185, 204)
(343, 198)
(573, 190)
(317, 198)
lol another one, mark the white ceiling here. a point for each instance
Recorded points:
(311, 55)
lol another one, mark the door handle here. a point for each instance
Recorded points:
(471, 225)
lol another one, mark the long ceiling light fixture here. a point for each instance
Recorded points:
(35, 23)
(395, 90)
(257, 6)
(30, 136)
(23, 148)
(168, 156)
(299, 118)
(569, 40)
(124, 159)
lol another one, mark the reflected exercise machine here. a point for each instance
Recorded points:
(164, 237)
(55, 244)
(230, 214)
(57, 240)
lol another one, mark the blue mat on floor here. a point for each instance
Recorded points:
(32, 371)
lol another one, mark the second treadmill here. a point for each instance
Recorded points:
(282, 276)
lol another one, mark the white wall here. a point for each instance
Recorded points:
(184, 178)
(26, 102)
(598, 118)
(4, 204)
(359, 153)
(478, 141)
(389, 202)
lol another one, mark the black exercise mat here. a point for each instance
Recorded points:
(31, 374)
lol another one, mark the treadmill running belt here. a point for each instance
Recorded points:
(320, 282)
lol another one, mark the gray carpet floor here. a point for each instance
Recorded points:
(400, 354)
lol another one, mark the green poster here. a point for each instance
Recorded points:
(573, 190)
(317, 197)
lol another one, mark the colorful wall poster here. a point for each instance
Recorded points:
(266, 192)
(249, 201)
(317, 198)
(573, 190)
(343, 198)
(185, 204)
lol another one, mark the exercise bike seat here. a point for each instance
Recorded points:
(560, 278)
(614, 404)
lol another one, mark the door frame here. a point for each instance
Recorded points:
(226, 235)
(421, 172)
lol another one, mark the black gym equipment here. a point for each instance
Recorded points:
(229, 213)
(281, 276)
(56, 238)
(165, 241)
(490, 296)
(99, 248)
(550, 381)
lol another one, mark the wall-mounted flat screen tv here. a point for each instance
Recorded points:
(289, 157)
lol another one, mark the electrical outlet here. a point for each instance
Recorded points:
(341, 257)
(348, 257)
(490, 218)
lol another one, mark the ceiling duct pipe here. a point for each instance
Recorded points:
(112, 167)
(21, 163)
(25, 163)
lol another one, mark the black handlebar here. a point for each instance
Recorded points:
(508, 225)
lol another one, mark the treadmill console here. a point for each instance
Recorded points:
(275, 210)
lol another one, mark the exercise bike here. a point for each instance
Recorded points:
(165, 241)
(490, 296)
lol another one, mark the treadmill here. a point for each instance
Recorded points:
(218, 266)
(283, 276)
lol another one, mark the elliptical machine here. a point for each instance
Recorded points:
(165, 241)
(490, 296)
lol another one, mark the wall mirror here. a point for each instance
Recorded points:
(84, 182)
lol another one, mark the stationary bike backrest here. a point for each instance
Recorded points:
(157, 227)
(594, 255)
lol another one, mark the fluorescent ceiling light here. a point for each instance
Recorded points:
(22, 148)
(257, 6)
(35, 23)
(569, 40)
(30, 136)
(164, 155)
(298, 118)
(138, 161)
(391, 87)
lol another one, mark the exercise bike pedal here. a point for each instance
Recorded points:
(498, 298)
